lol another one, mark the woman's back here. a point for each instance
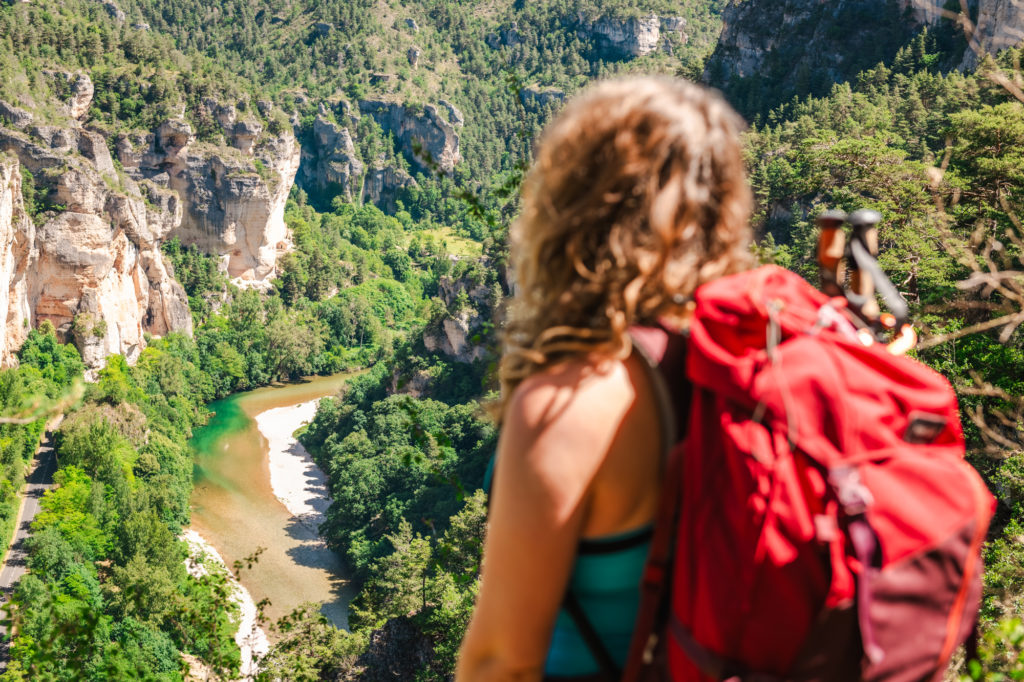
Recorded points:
(636, 197)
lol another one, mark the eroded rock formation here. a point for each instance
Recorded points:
(91, 262)
(331, 162)
(536, 96)
(233, 197)
(93, 269)
(17, 256)
(454, 333)
(1000, 25)
(420, 134)
(629, 37)
(809, 44)
(382, 186)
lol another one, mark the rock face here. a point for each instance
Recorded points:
(805, 45)
(810, 44)
(506, 36)
(453, 333)
(114, 11)
(14, 116)
(419, 134)
(632, 37)
(537, 97)
(454, 113)
(1000, 25)
(233, 198)
(382, 186)
(94, 270)
(331, 162)
(17, 257)
(82, 91)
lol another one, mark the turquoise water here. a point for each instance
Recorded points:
(235, 510)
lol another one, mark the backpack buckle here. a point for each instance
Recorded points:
(854, 497)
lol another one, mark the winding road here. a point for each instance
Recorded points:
(15, 562)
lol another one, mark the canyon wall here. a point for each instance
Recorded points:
(804, 46)
(233, 195)
(17, 256)
(90, 263)
(86, 256)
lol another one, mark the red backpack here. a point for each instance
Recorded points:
(826, 525)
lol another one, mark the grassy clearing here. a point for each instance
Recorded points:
(453, 243)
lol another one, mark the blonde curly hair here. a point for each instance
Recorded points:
(637, 196)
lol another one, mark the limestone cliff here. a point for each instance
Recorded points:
(233, 196)
(330, 162)
(632, 36)
(383, 185)
(420, 133)
(93, 267)
(806, 45)
(999, 25)
(456, 332)
(17, 257)
(90, 262)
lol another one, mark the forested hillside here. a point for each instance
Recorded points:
(202, 198)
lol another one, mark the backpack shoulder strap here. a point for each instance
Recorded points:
(654, 585)
(654, 345)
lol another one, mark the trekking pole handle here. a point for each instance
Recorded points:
(867, 265)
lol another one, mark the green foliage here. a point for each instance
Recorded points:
(108, 596)
(46, 373)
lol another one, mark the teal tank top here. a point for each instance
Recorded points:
(606, 581)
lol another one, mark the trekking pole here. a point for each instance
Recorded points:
(831, 247)
(866, 276)
(862, 285)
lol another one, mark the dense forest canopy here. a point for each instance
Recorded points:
(409, 287)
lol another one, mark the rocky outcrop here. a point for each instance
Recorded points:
(1000, 25)
(78, 90)
(455, 115)
(633, 37)
(506, 36)
(233, 198)
(793, 47)
(382, 186)
(82, 91)
(94, 269)
(807, 45)
(537, 97)
(330, 163)
(628, 37)
(14, 116)
(114, 11)
(415, 384)
(420, 134)
(17, 258)
(456, 332)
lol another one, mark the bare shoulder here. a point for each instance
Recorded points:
(570, 391)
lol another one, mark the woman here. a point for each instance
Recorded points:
(637, 196)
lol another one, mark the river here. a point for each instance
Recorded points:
(235, 509)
